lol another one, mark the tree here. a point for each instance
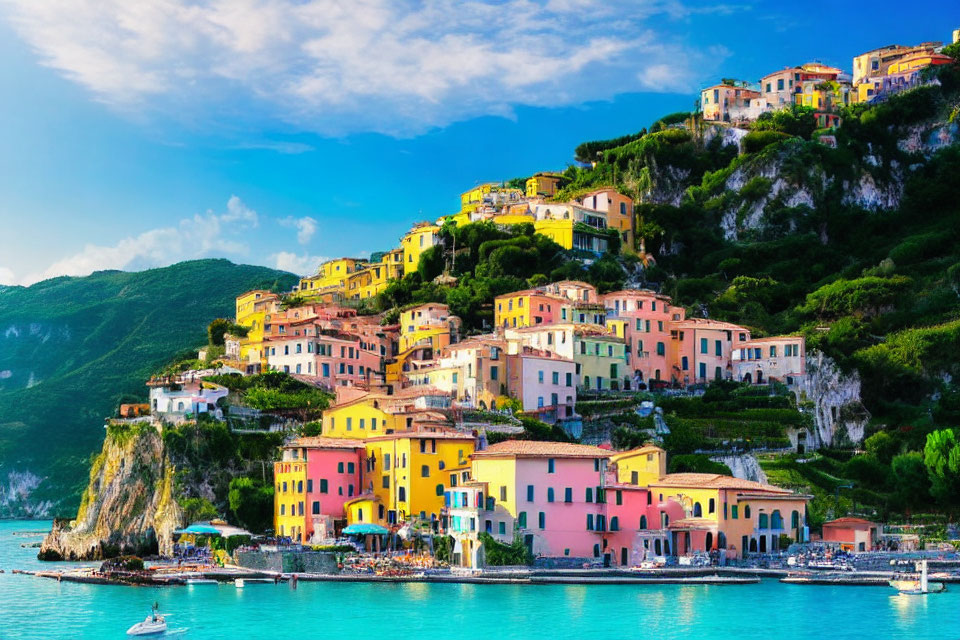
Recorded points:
(196, 509)
(911, 480)
(216, 330)
(883, 446)
(252, 504)
(941, 454)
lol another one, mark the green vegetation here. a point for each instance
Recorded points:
(76, 346)
(498, 554)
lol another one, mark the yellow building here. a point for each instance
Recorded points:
(289, 498)
(642, 466)
(729, 513)
(420, 238)
(412, 469)
(470, 200)
(429, 324)
(543, 184)
(251, 309)
(362, 417)
(331, 274)
(526, 308)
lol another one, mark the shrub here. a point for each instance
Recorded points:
(758, 140)
(499, 554)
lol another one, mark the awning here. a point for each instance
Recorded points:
(200, 529)
(365, 529)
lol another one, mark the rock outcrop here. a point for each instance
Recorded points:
(834, 399)
(128, 507)
(744, 466)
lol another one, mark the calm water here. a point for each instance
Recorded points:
(39, 608)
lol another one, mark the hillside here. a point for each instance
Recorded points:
(71, 348)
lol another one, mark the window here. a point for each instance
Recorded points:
(339, 467)
(316, 508)
(614, 523)
(568, 494)
(550, 494)
(661, 349)
(529, 493)
(349, 428)
(439, 489)
(540, 376)
(309, 485)
(569, 379)
(718, 347)
(425, 471)
(542, 520)
(503, 494)
(522, 519)
(494, 373)
(712, 506)
(589, 522)
(588, 497)
(619, 497)
(402, 494)
(643, 522)
(773, 351)
(386, 482)
(502, 528)
(555, 377)
(551, 465)
(734, 512)
(323, 486)
(746, 511)
(703, 345)
(703, 370)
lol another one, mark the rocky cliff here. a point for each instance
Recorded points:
(128, 506)
(743, 466)
(834, 398)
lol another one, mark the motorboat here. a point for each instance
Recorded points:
(154, 624)
(917, 585)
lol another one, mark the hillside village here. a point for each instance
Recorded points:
(432, 419)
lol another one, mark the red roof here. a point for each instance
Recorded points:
(849, 522)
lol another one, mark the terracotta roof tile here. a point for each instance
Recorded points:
(323, 442)
(714, 481)
(537, 449)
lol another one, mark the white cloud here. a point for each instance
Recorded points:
(305, 227)
(302, 265)
(339, 66)
(204, 235)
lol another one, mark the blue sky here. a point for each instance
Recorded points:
(137, 134)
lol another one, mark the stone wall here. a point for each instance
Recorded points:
(288, 561)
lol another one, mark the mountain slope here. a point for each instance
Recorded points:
(70, 348)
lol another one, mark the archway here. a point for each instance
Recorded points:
(697, 510)
(759, 376)
(747, 378)
(763, 544)
(753, 545)
(709, 542)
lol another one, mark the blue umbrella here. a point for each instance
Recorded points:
(364, 529)
(200, 529)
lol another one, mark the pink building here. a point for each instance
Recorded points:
(762, 360)
(637, 525)
(701, 350)
(619, 210)
(544, 382)
(549, 493)
(643, 319)
(331, 357)
(334, 475)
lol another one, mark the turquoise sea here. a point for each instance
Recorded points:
(40, 608)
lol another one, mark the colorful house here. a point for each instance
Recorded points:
(544, 383)
(572, 226)
(701, 350)
(777, 89)
(314, 479)
(331, 275)
(726, 102)
(852, 534)
(251, 309)
(618, 209)
(329, 356)
(421, 237)
(526, 308)
(362, 414)
(409, 472)
(550, 494)
(731, 514)
(473, 372)
(776, 359)
(643, 319)
(543, 184)
(878, 61)
(429, 324)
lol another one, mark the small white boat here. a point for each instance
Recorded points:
(238, 583)
(920, 585)
(153, 625)
(200, 581)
